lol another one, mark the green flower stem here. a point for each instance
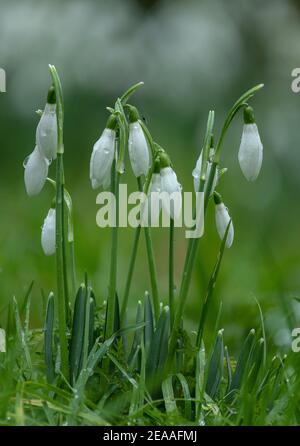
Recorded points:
(115, 177)
(130, 272)
(151, 262)
(61, 304)
(171, 271)
(73, 268)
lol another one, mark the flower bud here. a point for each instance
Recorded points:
(103, 156)
(137, 145)
(222, 220)
(251, 148)
(48, 237)
(46, 132)
(36, 171)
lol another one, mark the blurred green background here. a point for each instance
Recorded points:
(193, 56)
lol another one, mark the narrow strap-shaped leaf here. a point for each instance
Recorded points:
(216, 367)
(257, 363)
(25, 300)
(242, 362)
(158, 351)
(200, 379)
(92, 321)
(186, 395)
(168, 395)
(137, 335)
(149, 324)
(77, 337)
(125, 96)
(21, 335)
(48, 336)
(228, 368)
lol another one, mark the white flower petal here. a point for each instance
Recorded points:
(46, 132)
(222, 220)
(138, 150)
(250, 152)
(36, 172)
(102, 159)
(170, 185)
(48, 237)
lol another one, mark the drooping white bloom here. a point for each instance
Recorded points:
(138, 150)
(170, 185)
(222, 220)
(36, 171)
(197, 173)
(46, 132)
(152, 209)
(2, 341)
(48, 237)
(250, 152)
(102, 159)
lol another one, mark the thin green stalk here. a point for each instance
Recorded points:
(65, 269)
(113, 263)
(171, 271)
(62, 325)
(151, 262)
(73, 268)
(130, 271)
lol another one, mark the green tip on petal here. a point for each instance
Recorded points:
(111, 122)
(164, 159)
(51, 97)
(217, 198)
(133, 114)
(53, 203)
(249, 115)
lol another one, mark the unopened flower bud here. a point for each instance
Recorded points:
(251, 148)
(48, 237)
(222, 220)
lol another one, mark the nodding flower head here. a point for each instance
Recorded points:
(137, 145)
(46, 132)
(103, 156)
(251, 148)
(222, 220)
(170, 184)
(48, 237)
(197, 172)
(36, 171)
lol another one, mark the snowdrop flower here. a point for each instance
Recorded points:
(48, 237)
(36, 172)
(170, 185)
(197, 172)
(222, 220)
(137, 145)
(251, 148)
(46, 132)
(103, 156)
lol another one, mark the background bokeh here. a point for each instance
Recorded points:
(193, 56)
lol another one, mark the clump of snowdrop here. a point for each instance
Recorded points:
(251, 149)
(222, 220)
(48, 237)
(46, 132)
(137, 145)
(103, 156)
(36, 172)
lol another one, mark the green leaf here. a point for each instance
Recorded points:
(48, 339)
(76, 344)
(149, 323)
(125, 96)
(216, 368)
